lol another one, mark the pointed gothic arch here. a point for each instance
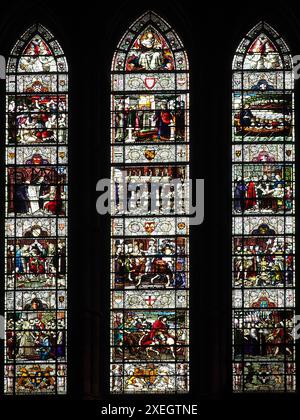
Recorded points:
(36, 216)
(263, 213)
(150, 252)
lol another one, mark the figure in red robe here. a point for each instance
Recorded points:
(158, 327)
(251, 196)
(163, 120)
(55, 205)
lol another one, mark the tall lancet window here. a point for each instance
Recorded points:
(149, 251)
(263, 207)
(36, 215)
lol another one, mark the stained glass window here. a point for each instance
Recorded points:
(150, 245)
(263, 192)
(36, 215)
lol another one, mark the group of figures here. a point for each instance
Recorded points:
(36, 210)
(263, 180)
(258, 264)
(149, 270)
(150, 117)
(263, 114)
(33, 120)
(36, 338)
(268, 193)
(150, 335)
(33, 261)
(265, 334)
(36, 190)
(153, 189)
(147, 262)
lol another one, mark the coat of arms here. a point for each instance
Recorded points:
(150, 154)
(149, 227)
(150, 82)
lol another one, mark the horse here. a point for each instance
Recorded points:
(151, 344)
(160, 269)
(137, 269)
(131, 341)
